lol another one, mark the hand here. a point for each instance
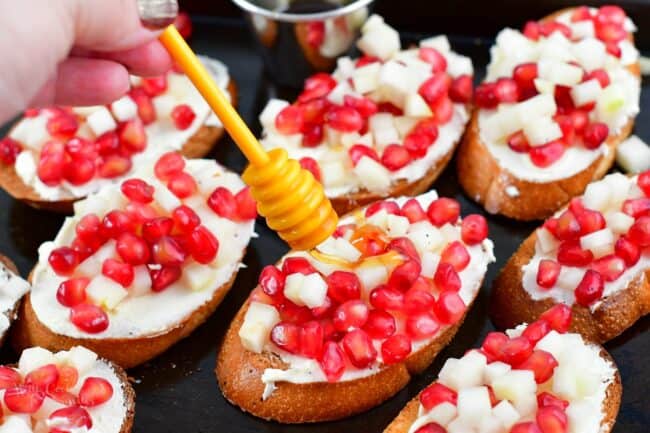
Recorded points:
(72, 52)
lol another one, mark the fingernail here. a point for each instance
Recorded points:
(157, 14)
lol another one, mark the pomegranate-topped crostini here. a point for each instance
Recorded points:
(557, 100)
(12, 289)
(592, 256)
(383, 125)
(65, 392)
(535, 378)
(351, 320)
(56, 155)
(141, 263)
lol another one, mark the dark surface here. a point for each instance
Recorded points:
(177, 392)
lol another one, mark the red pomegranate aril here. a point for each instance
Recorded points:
(63, 125)
(443, 210)
(525, 427)
(435, 394)
(365, 106)
(380, 324)
(344, 119)
(292, 265)
(169, 164)
(552, 419)
(609, 267)
(643, 181)
(493, 344)
(443, 110)
(580, 13)
(421, 325)
(413, 211)
(559, 317)
(595, 134)
(639, 233)
(63, 260)
(72, 292)
(154, 86)
(183, 116)
(590, 221)
(395, 349)
(332, 361)
(185, 219)
(446, 277)
(246, 204)
(449, 307)
(485, 96)
(637, 207)
(146, 110)
(132, 249)
(461, 90)
(292, 313)
(614, 49)
(89, 318)
(290, 120)
(541, 363)
(546, 154)
(9, 150)
(167, 252)
(203, 246)
(287, 337)
(312, 135)
(547, 28)
(405, 247)
(133, 136)
(515, 351)
(590, 288)
(24, 399)
(385, 298)
(416, 301)
(317, 86)
(546, 399)
(358, 346)
(311, 165)
(611, 14)
(395, 157)
(50, 168)
(73, 418)
(434, 58)
(113, 166)
(350, 315)
(608, 32)
(456, 255)
(343, 286)
(518, 142)
(68, 377)
(404, 275)
(223, 203)
(119, 272)
(566, 126)
(567, 227)
(536, 331)
(164, 277)
(418, 144)
(531, 30)
(627, 250)
(137, 190)
(311, 340)
(580, 120)
(547, 273)
(524, 75)
(600, 75)
(95, 391)
(272, 281)
(156, 228)
(43, 377)
(435, 88)
(358, 151)
(108, 143)
(474, 229)
(564, 100)
(507, 90)
(391, 207)
(182, 185)
(9, 377)
(571, 254)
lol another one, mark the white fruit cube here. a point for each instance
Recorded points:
(425, 237)
(164, 105)
(565, 384)
(393, 82)
(337, 95)
(494, 370)
(610, 102)
(450, 232)
(124, 109)
(538, 106)
(47, 408)
(585, 93)
(333, 173)
(590, 53)
(474, 404)
(619, 222)
(459, 426)
(546, 242)
(258, 323)
(569, 278)
(633, 155)
(199, 277)
(509, 120)
(25, 166)
(371, 276)
(559, 72)
(346, 250)
(372, 175)
(619, 185)
(544, 86)
(463, 373)
(379, 219)
(600, 242)
(541, 130)
(15, 424)
(506, 413)
(349, 139)
(416, 106)
(383, 130)
(597, 196)
(89, 267)
(583, 29)
(429, 264)
(553, 343)
(526, 405)
(440, 43)
(366, 78)
(81, 358)
(514, 385)
(490, 424)
(378, 40)
(105, 291)
(31, 132)
(141, 281)
(397, 226)
(366, 140)
(101, 121)
(86, 111)
(344, 67)
(271, 111)
(293, 286)
(33, 358)
(404, 124)
(165, 198)
(442, 413)
(314, 291)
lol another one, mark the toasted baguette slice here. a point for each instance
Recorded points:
(197, 146)
(12, 288)
(239, 369)
(133, 334)
(612, 312)
(494, 186)
(497, 419)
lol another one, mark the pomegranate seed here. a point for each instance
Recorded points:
(591, 221)
(442, 211)
(609, 32)
(395, 349)
(154, 86)
(552, 419)
(446, 277)
(643, 181)
(566, 125)
(332, 361)
(311, 165)
(290, 120)
(95, 391)
(50, 168)
(405, 247)
(639, 233)
(68, 377)
(68, 419)
(169, 164)
(485, 96)
(564, 100)
(113, 166)
(581, 13)
(154, 229)
(541, 363)
(395, 157)
(611, 14)
(547, 28)
(287, 337)
(518, 142)
(507, 90)
(223, 203)
(63, 125)
(132, 249)
(167, 252)
(389, 206)
(380, 324)
(413, 211)
(449, 307)
(570, 254)
(9, 150)
(358, 346)
(637, 207)
(580, 120)
(625, 249)
(474, 229)
(515, 351)
(133, 136)
(293, 265)
(108, 143)
(417, 300)
(183, 116)
(524, 75)
(595, 134)
(358, 151)
(421, 325)
(63, 260)
(31, 112)
(292, 313)
(24, 399)
(203, 246)
(344, 119)
(547, 154)
(164, 277)
(246, 204)
(461, 90)
(590, 288)
(435, 394)
(536, 331)
(272, 282)
(137, 190)
(185, 219)
(559, 317)
(317, 86)
(404, 275)
(119, 272)
(609, 267)
(312, 135)
(418, 143)
(89, 318)
(547, 273)
(385, 298)
(62, 396)
(182, 185)
(613, 49)
(525, 427)
(434, 58)
(9, 377)
(493, 344)
(443, 110)
(598, 74)
(146, 111)
(311, 340)
(343, 286)
(567, 228)
(546, 399)
(366, 107)
(456, 255)
(43, 377)
(531, 30)
(72, 292)
(435, 88)
(350, 315)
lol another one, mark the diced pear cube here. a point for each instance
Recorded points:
(372, 175)
(89, 267)
(553, 343)
(350, 139)
(31, 132)
(397, 226)
(619, 185)
(425, 237)
(379, 219)
(583, 29)
(443, 413)
(474, 404)
(506, 413)
(619, 222)
(293, 286)
(416, 106)
(463, 373)
(101, 121)
(366, 78)
(559, 72)
(542, 105)
(494, 370)
(584, 93)
(569, 278)
(515, 385)
(440, 43)
(333, 173)
(591, 53)
(404, 125)
(371, 276)
(164, 105)
(611, 101)
(33, 358)
(600, 242)
(429, 264)
(271, 111)
(393, 82)
(544, 86)
(124, 109)
(546, 242)
(379, 40)
(313, 291)
(141, 281)
(459, 426)
(541, 130)
(165, 198)
(565, 384)
(383, 130)
(258, 323)
(105, 291)
(450, 232)
(344, 67)
(597, 196)
(337, 95)
(199, 277)
(25, 166)
(346, 250)
(633, 155)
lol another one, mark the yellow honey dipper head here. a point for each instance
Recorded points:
(292, 201)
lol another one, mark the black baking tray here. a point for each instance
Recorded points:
(178, 393)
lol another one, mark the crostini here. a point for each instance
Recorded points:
(591, 256)
(557, 100)
(141, 264)
(55, 156)
(383, 125)
(337, 330)
(536, 378)
(12, 290)
(65, 392)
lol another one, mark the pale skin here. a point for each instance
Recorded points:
(72, 52)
